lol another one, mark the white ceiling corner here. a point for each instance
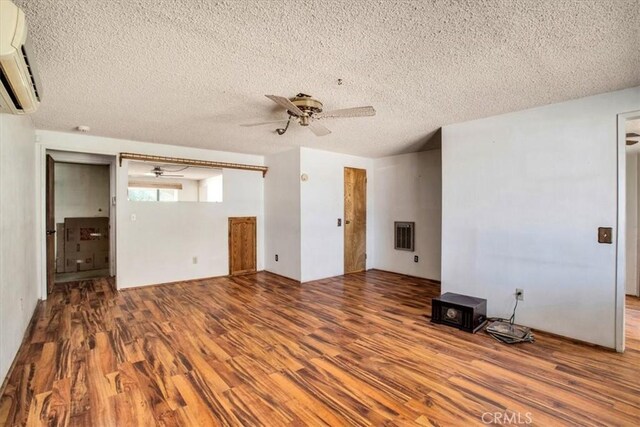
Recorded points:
(188, 72)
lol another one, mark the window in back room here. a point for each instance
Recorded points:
(173, 183)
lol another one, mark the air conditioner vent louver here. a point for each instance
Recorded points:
(9, 89)
(33, 80)
(404, 235)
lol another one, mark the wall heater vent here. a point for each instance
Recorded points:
(404, 235)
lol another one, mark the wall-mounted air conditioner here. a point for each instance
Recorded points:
(20, 88)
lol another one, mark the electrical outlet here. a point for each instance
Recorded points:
(415, 258)
(276, 257)
(195, 259)
(520, 294)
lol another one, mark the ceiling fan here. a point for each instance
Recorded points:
(307, 111)
(159, 172)
(632, 138)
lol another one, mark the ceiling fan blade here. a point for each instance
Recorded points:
(631, 142)
(248, 125)
(632, 135)
(284, 102)
(164, 175)
(348, 112)
(318, 129)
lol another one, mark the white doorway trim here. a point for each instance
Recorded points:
(621, 228)
(68, 155)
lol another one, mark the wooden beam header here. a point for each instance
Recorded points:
(192, 162)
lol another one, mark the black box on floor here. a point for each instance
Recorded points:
(460, 311)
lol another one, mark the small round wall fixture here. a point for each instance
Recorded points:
(83, 128)
(304, 177)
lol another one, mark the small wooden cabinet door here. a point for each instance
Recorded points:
(242, 245)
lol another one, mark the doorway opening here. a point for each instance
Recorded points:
(628, 224)
(631, 248)
(79, 215)
(355, 220)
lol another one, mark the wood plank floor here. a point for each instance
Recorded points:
(263, 350)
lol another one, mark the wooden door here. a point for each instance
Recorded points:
(51, 224)
(355, 220)
(242, 245)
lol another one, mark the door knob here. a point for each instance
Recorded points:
(347, 222)
(50, 232)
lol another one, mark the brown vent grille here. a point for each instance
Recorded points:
(404, 235)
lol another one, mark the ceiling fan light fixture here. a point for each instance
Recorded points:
(308, 104)
(160, 172)
(308, 110)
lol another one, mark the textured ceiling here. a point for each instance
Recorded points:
(189, 72)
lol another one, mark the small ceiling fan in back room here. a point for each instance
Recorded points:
(633, 138)
(307, 111)
(160, 172)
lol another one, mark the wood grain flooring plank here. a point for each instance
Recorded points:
(57, 408)
(199, 408)
(306, 406)
(38, 409)
(264, 350)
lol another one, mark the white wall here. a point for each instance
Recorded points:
(409, 188)
(18, 281)
(165, 237)
(189, 192)
(631, 243)
(160, 244)
(209, 189)
(282, 214)
(634, 288)
(523, 196)
(81, 191)
(302, 217)
(321, 204)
